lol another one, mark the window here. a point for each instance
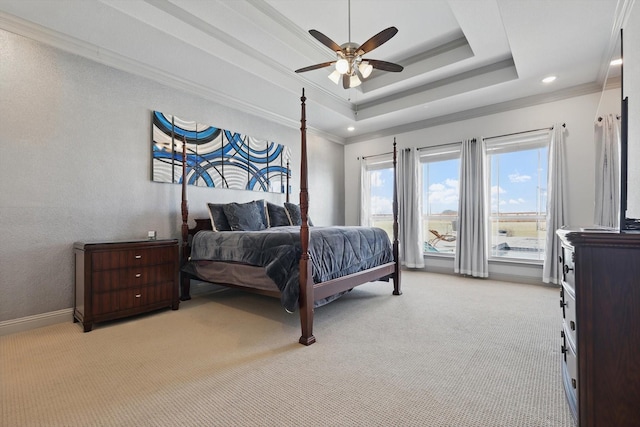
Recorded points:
(517, 171)
(377, 193)
(440, 190)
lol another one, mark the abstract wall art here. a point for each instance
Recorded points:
(216, 157)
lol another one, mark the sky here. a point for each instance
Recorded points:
(518, 184)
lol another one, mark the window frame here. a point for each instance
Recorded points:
(522, 141)
(372, 164)
(438, 153)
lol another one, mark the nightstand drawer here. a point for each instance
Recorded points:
(110, 260)
(112, 280)
(127, 299)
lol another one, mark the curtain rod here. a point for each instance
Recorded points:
(564, 125)
(374, 155)
(600, 117)
(439, 145)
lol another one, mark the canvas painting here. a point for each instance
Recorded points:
(216, 157)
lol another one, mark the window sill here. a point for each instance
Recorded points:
(506, 260)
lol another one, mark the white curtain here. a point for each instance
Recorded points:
(607, 139)
(556, 205)
(410, 208)
(365, 191)
(471, 256)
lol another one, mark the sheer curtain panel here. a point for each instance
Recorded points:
(410, 208)
(556, 206)
(471, 256)
(607, 139)
(365, 193)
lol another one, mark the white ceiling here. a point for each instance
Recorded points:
(462, 58)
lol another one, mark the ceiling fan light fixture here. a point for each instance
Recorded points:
(354, 81)
(365, 69)
(335, 76)
(342, 66)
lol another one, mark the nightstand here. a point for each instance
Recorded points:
(124, 278)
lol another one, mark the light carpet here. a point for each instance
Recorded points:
(450, 351)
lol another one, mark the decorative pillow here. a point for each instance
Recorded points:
(245, 216)
(218, 218)
(264, 213)
(294, 214)
(277, 215)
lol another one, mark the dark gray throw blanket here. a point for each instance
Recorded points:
(334, 252)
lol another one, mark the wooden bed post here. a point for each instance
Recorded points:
(396, 243)
(306, 298)
(185, 281)
(288, 178)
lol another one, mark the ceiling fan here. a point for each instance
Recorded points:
(350, 66)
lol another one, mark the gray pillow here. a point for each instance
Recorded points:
(245, 216)
(218, 218)
(277, 215)
(294, 214)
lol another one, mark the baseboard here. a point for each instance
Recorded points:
(493, 275)
(22, 324)
(36, 321)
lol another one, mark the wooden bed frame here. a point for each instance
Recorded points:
(309, 291)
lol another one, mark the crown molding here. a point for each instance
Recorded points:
(112, 59)
(529, 101)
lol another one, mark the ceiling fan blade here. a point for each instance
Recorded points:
(375, 41)
(384, 65)
(346, 81)
(325, 40)
(315, 67)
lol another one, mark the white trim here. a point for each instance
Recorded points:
(36, 321)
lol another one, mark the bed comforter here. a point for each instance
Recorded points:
(334, 252)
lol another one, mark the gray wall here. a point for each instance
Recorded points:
(75, 165)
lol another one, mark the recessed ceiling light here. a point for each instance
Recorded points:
(616, 62)
(548, 79)
(351, 128)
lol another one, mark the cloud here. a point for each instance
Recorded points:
(381, 205)
(497, 190)
(444, 193)
(518, 201)
(516, 177)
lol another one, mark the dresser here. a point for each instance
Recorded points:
(600, 302)
(124, 278)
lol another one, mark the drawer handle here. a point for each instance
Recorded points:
(138, 256)
(574, 384)
(567, 269)
(138, 275)
(138, 295)
(572, 325)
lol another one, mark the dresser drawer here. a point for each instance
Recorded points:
(112, 280)
(133, 298)
(572, 370)
(109, 260)
(568, 303)
(567, 264)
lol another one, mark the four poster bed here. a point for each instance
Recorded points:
(303, 267)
